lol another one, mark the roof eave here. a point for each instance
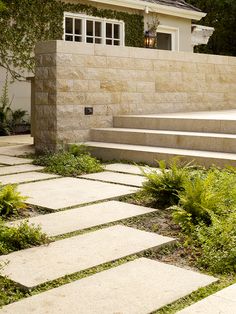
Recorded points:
(157, 8)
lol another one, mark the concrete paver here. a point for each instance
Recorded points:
(17, 150)
(68, 192)
(38, 265)
(127, 168)
(84, 217)
(222, 302)
(115, 177)
(17, 139)
(137, 287)
(26, 177)
(18, 169)
(11, 161)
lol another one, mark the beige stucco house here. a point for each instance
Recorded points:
(173, 19)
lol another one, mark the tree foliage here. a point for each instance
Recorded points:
(22, 24)
(2, 6)
(220, 15)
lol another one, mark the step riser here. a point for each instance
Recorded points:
(214, 144)
(150, 158)
(175, 124)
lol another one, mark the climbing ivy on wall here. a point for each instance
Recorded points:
(25, 22)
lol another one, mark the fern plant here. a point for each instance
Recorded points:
(10, 200)
(165, 185)
(203, 196)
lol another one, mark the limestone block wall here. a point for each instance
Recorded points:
(121, 80)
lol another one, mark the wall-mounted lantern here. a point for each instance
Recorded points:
(150, 39)
(150, 35)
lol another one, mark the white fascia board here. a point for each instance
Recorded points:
(157, 8)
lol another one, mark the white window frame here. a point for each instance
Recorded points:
(103, 21)
(174, 32)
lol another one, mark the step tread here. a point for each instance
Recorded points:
(167, 132)
(165, 150)
(229, 115)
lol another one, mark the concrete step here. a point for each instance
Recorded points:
(196, 123)
(149, 154)
(215, 142)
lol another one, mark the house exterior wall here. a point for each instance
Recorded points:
(121, 80)
(183, 26)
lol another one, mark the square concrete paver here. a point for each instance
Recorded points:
(17, 150)
(85, 217)
(17, 139)
(222, 302)
(127, 168)
(37, 265)
(26, 177)
(68, 192)
(18, 169)
(11, 161)
(115, 177)
(138, 287)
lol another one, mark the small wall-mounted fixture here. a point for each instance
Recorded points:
(88, 111)
(146, 9)
(150, 35)
(150, 40)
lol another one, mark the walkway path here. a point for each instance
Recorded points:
(139, 286)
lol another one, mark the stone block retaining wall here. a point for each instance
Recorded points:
(121, 80)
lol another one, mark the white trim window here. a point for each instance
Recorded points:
(172, 35)
(89, 29)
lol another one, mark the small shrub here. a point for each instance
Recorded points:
(69, 163)
(10, 200)
(165, 186)
(21, 237)
(78, 150)
(218, 245)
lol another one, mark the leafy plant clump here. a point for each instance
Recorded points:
(10, 200)
(218, 245)
(165, 185)
(75, 162)
(20, 237)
